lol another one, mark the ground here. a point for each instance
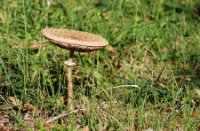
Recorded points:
(148, 78)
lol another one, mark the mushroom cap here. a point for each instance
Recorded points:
(74, 40)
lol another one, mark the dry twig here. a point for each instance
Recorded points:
(65, 113)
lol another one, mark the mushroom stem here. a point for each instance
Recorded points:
(70, 65)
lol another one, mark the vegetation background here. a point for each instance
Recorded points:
(148, 78)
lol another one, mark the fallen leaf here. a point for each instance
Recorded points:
(28, 107)
(86, 128)
(4, 128)
(6, 124)
(36, 47)
(15, 101)
(194, 102)
(186, 78)
(165, 50)
(3, 120)
(106, 15)
(119, 65)
(195, 113)
(168, 110)
(149, 129)
(185, 1)
(161, 84)
(197, 91)
(178, 127)
(78, 74)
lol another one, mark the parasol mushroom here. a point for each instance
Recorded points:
(73, 40)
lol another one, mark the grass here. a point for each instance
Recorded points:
(147, 78)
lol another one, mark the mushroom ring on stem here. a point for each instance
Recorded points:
(73, 40)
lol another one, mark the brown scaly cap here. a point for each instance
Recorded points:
(74, 40)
